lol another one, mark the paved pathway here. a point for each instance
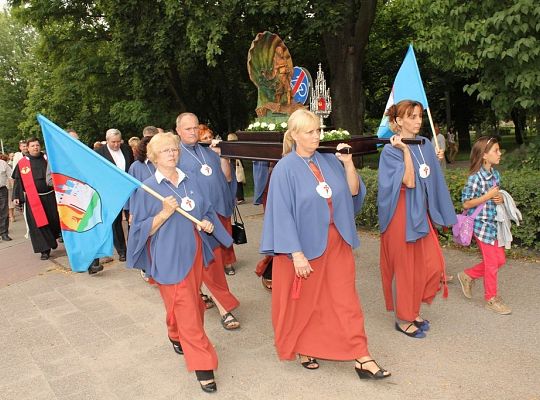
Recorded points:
(73, 336)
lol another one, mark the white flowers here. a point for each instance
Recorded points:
(335, 135)
(267, 126)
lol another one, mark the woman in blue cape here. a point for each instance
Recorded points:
(309, 227)
(412, 194)
(174, 251)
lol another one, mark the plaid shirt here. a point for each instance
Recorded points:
(485, 227)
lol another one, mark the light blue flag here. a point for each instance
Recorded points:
(90, 193)
(407, 86)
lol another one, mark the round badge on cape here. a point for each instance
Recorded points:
(424, 170)
(187, 204)
(206, 170)
(324, 190)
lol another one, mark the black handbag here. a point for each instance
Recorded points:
(238, 229)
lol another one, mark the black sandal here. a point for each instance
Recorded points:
(311, 363)
(206, 376)
(417, 334)
(227, 320)
(177, 347)
(230, 270)
(367, 374)
(208, 302)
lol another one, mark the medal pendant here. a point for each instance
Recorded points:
(424, 170)
(187, 204)
(206, 170)
(324, 190)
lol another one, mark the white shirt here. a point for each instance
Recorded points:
(118, 158)
(159, 176)
(5, 173)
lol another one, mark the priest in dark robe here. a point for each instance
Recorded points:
(33, 188)
(309, 227)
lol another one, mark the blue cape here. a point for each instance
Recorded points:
(297, 218)
(169, 255)
(215, 187)
(429, 196)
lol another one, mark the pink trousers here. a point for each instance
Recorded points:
(493, 258)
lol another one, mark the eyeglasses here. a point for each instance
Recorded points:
(169, 151)
(22, 141)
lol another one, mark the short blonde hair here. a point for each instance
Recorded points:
(299, 121)
(134, 141)
(158, 142)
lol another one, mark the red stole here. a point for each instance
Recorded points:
(32, 195)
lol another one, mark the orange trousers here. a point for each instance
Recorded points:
(229, 257)
(216, 282)
(185, 317)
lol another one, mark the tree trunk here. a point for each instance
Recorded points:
(518, 117)
(448, 107)
(345, 51)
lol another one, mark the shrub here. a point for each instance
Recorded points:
(523, 185)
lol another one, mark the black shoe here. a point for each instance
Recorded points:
(177, 347)
(367, 374)
(206, 376)
(122, 257)
(94, 269)
(6, 238)
(45, 255)
(417, 334)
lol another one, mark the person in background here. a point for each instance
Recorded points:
(5, 178)
(33, 188)
(23, 151)
(238, 168)
(441, 141)
(133, 142)
(150, 131)
(452, 145)
(309, 227)
(120, 155)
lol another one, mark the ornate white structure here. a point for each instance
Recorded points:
(321, 102)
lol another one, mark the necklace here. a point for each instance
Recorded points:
(423, 168)
(206, 169)
(322, 188)
(186, 203)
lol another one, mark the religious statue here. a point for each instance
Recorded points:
(270, 68)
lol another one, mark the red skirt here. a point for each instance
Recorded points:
(326, 320)
(229, 257)
(414, 269)
(185, 317)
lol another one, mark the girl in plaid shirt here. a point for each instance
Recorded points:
(483, 187)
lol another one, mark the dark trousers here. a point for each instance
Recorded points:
(4, 210)
(240, 191)
(119, 239)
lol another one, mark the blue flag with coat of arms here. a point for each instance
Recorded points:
(90, 193)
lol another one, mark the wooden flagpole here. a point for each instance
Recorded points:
(178, 209)
(433, 130)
